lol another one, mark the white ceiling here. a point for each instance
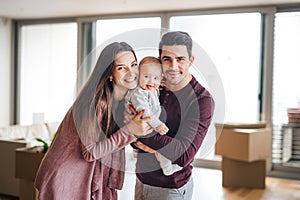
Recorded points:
(25, 9)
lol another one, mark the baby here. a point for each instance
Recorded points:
(145, 97)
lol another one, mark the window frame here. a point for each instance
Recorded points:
(17, 61)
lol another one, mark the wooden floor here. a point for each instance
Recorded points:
(208, 186)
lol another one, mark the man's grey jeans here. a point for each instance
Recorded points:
(148, 192)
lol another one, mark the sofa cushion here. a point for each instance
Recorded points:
(14, 132)
(29, 133)
(52, 128)
(37, 131)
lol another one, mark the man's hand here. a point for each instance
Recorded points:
(144, 147)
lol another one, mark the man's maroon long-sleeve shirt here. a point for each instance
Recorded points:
(187, 113)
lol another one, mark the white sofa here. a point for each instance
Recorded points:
(16, 136)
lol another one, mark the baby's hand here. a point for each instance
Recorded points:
(162, 129)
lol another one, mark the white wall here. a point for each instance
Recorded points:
(5, 71)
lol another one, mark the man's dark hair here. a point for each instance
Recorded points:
(176, 38)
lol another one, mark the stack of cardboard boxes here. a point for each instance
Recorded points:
(245, 149)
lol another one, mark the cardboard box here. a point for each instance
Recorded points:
(27, 191)
(243, 174)
(9, 184)
(27, 162)
(244, 144)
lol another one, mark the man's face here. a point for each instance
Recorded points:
(176, 63)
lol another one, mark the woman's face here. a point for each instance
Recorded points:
(125, 72)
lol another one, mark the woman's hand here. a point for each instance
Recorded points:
(128, 117)
(143, 147)
(139, 126)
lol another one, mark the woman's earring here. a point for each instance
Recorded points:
(110, 79)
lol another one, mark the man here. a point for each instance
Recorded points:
(188, 109)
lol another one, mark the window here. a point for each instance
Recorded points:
(48, 66)
(233, 42)
(114, 28)
(108, 28)
(286, 91)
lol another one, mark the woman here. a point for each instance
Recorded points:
(86, 160)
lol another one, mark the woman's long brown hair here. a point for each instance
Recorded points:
(97, 94)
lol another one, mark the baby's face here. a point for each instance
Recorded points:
(150, 76)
